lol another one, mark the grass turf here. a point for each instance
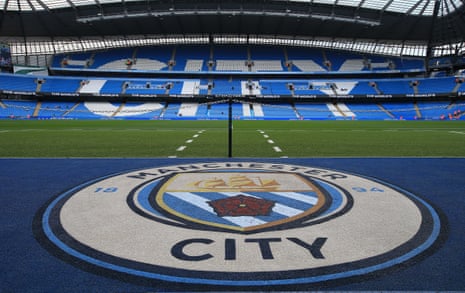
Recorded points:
(114, 138)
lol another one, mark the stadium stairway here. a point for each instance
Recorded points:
(188, 109)
(37, 109)
(123, 104)
(386, 111)
(72, 109)
(451, 105)
(258, 110)
(417, 110)
(345, 110)
(456, 87)
(335, 110)
(246, 111)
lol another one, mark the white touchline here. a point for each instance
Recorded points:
(457, 132)
(181, 148)
(189, 141)
(270, 141)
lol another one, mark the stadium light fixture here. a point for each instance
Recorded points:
(172, 12)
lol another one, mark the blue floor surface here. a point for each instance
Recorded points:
(26, 185)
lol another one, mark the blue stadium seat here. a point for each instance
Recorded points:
(279, 111)
(314, 111)
(20, 83)
(18, 109)
(54, 110)
(436, 85)
(401, 110)
(395, 87)
(226, 87)
(60, 85)
(363, 88)
(368, 111)
(433, 110)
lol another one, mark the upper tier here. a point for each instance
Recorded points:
(233, 59)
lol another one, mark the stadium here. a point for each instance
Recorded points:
(232, 145)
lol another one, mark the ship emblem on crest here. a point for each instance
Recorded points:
(238, 182)
(244, 202)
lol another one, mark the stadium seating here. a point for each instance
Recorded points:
(114, 87)
(234, 58)
(76, 60)
(194, 73)
(306, 59)
(314, 111)
(61, 85)
(369, 111)
(433, 110)
(192, 58)
(12, 109)
(436, 85)
(17, 109)
(226, 87)
(89, 110)
(363, 87)
(114, 59)
(147, 87)
(159, 57)
(144, 111)
(273, 87)
(54, 110)
(18, 83)
(26, 84)
(401, 110)
(218, 111)
(395, 87)
(279, 111)
(343, 61)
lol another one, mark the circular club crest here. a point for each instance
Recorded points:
(240, 224)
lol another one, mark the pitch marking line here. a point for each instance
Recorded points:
(457, 132)
(183, 147)
(277, 149)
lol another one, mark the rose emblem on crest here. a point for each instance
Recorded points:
(242, 205)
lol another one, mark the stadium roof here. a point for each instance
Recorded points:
(428, 22)
(414, 7)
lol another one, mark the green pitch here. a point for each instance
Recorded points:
(249, 139)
